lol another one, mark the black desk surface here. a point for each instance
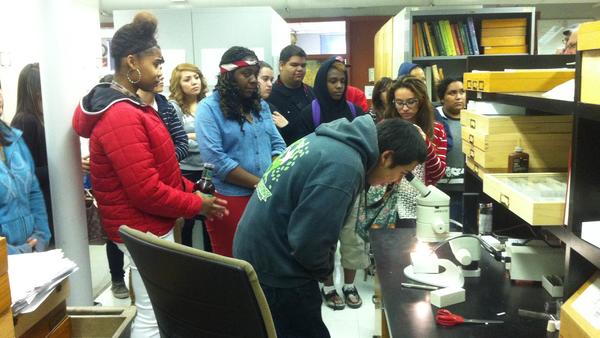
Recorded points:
(409, 313)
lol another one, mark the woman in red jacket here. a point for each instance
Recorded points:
(134, 171)
(408, 99)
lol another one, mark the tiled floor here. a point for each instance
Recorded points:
(347, 323)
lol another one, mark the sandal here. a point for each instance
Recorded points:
(352, 298)
(333, 300)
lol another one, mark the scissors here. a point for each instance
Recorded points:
(447, 318)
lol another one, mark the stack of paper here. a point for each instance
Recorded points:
(33, 276)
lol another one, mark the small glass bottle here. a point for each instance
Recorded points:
(484, 218)
(205, 184)
(518, 161)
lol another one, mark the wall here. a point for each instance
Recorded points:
(361, 36)
(200, 36)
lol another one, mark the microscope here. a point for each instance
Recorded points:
(433, 226)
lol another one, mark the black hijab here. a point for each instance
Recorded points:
(330, 109)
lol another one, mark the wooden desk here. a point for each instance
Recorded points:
(409, 313)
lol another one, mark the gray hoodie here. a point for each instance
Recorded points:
(294, 217)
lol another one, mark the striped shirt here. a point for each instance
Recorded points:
(435, 163)
(169, 117)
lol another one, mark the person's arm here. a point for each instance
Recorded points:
(241, 177)
(127, 147)
(435, 164)
(314, 228)
(277, 142)
(179, 136)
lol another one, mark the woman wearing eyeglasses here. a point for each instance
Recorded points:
(408, 99)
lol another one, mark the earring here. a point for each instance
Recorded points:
(139, 74)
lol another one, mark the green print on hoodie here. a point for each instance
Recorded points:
(281, 164)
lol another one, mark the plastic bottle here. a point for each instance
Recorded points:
(518, 161)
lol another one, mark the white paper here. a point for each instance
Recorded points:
(588, 304)
(369, 92)
(564, 91)
(590, 232)
(33, 276)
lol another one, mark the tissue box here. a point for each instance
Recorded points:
(553, 284)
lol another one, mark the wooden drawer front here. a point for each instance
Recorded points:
(590, 73)
(7, 330)
(479, 171)
(546, 157)
(509, 141)
(63, 330)
(510, 82)
(524, 124)
(522, 204)
(4, 293)
(3, 256)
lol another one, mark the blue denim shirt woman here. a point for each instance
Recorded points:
(23, 218)
(224, 144)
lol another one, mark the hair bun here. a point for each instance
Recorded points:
(145, 23)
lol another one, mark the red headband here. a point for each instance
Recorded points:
(228, 67)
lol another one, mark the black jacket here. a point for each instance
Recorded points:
(289, 103)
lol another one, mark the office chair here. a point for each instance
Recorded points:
(199, 294)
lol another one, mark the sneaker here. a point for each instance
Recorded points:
(333, 300)
(119, 290)
(352, 298)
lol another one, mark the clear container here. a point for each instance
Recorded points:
(484, 218)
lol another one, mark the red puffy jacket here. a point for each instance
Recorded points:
(135, 175)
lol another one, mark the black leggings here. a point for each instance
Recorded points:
(115, 262)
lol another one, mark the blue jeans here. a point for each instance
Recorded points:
(297, 311)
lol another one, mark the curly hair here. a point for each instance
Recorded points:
(177, 94)
(232, 102)
(134, 38)
(424, 117)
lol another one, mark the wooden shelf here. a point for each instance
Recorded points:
(585, 249)
(529, 100)
(436, 58)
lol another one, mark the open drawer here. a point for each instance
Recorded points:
(538, 198)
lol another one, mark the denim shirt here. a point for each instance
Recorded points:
(22, 209)
(224, 144)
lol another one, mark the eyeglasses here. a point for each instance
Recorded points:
(410, 103)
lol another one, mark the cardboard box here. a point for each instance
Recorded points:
(517, 81)
(577, 314)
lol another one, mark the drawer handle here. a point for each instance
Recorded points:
(505, 200)
(471, 139)
(472, 154)
(476, 169)
(481, 84)
(473, 123)
(469, 85)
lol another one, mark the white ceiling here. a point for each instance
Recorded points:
(319, 8)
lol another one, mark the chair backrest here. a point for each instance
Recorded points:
(199, 294)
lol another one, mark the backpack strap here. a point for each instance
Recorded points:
(316, 113)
